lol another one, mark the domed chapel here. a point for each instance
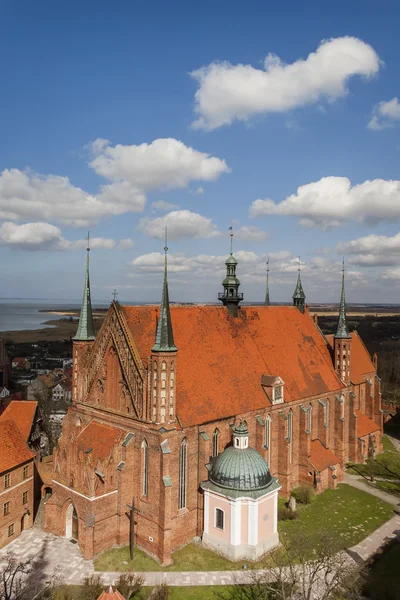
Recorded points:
(199, 415)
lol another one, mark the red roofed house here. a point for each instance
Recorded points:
(16, 482)
(155, 397)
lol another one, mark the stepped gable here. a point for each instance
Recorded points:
(221, 359)
(100, 438)
(322, 458)
(365, 425)
(22, 412)
(361, 364)
(13, 448)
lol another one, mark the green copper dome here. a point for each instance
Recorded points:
(231, 260)
(240, 469)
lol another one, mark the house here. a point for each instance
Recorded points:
(26, 416)
(16, 482)
(4, 393)
(21, 363)
(163, 392)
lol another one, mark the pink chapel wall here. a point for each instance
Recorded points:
(245, 522)
(225, 505)
(267, 507)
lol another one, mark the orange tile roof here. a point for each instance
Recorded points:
(365, 425)
(13, 448)
(100, 438)
(322, 458)
(221, 359)
(361, 363)
(22, 412)
(110, 594)
(45, 470)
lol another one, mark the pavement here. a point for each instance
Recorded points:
(357, 481)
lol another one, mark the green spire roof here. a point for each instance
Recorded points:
(299, 292)
(267, 302)
(164, 334)
(342, 329)
(85, 331)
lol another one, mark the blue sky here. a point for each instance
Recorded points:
(121, 117)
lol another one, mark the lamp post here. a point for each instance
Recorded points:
(132, 511)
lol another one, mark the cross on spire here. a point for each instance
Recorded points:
(115, 294)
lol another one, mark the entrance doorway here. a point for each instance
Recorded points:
(71, 523)
(24, 522)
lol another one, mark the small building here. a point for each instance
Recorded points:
(16, 483)
(26, 416)
(21, 363)
(240, 501)
(111, 594)
(4, 392)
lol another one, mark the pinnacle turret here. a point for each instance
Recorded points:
(85, 331)
(164, 334)
(230, 296)
(299, 296)
(267, 302)
(342, 328)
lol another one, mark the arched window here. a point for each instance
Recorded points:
(219, 518)
(290, 426)
(164, 366)
(268, 439)
(145, 468)
(309, 419)
(183, 474)
(327, 413)
(215, 443)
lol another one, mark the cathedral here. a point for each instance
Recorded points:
(197, 416)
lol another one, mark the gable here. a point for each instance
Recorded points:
(22, 413)
(221, 359)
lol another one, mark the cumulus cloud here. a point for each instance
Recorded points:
(181, 224)
(164, 206)
(332, 201)
(385, 114)
(32, 236)
(132, 172)
(95, 243)
(251, 233)
(228, 92)
(391, 274)
(126, 244)
(372, 250)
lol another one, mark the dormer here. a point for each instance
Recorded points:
(273, 386)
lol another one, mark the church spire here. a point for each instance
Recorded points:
(85, 331)
(230, 296)
(267, 302)
(164, 334)
(342, 328)
(299, 296)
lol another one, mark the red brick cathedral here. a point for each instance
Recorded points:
(158, 392)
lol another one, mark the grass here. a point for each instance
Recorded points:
(386, 465)
(200, 592)
(347, 513)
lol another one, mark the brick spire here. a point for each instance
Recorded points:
(267, 302)
(85, 331)
(342, 328)
(164, 334)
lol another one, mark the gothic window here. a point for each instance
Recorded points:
(164, 366)
(289, 426)
(267, 432)
(278, 393)
(219, 518)
(327, 413)
(183, 474)
(145, 468)
(171, 380)
(215, 443)
(309, 419)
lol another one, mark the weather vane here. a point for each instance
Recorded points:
(115, 294)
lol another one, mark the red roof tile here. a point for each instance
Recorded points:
(22, 412)
(361, 363)
(322, 458)
(100, 438)
(221, 359)
(13, 448)
(365, 425)
(110, 594)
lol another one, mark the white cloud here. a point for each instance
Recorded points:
(372, 250)
(385, 114)
(95, 243)
(228, 92)
(181, 224)
(164, 206)
(132, 172)
(391, 274)
(126, 244)
(251, 233)
(32, 236)
(332, 201)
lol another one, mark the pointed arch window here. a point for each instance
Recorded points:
(290, 434)
(327, 413)
(215, 439)
(183, 474)
(268, 439)
(309, 419)
(145, 468)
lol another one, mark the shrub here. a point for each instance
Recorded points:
(303, 494)
(129, 585)
(285, 514)
(160, 592)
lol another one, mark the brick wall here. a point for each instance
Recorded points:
(20, 482)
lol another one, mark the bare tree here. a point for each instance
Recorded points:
(294, 572)
(14, 575)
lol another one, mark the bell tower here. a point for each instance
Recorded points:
(231, 296)
(342, 340)
(299, 297)
(163, 360)
(84, 337)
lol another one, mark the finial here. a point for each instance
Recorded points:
(231, 234)
(115, 294)
(88, 241)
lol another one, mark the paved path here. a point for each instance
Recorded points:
(358, 482)
(371, 544)
(395, 442)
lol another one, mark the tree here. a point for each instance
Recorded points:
(294, 572)
(14, 579)
(129, 585)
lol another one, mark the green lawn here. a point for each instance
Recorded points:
(201, 592)
(347, 513)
